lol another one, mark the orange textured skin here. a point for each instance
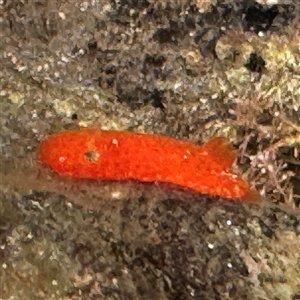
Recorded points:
(116, 155)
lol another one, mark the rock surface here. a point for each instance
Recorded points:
(186, 69)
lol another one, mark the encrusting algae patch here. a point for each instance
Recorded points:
(121, 155)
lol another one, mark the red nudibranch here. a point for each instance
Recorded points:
(119, 155)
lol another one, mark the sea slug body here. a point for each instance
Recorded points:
(120, 155)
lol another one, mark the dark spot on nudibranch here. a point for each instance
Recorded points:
(91, 156)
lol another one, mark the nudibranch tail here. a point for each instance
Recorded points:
(251, 196)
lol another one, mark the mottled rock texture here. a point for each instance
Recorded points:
(186, 69)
